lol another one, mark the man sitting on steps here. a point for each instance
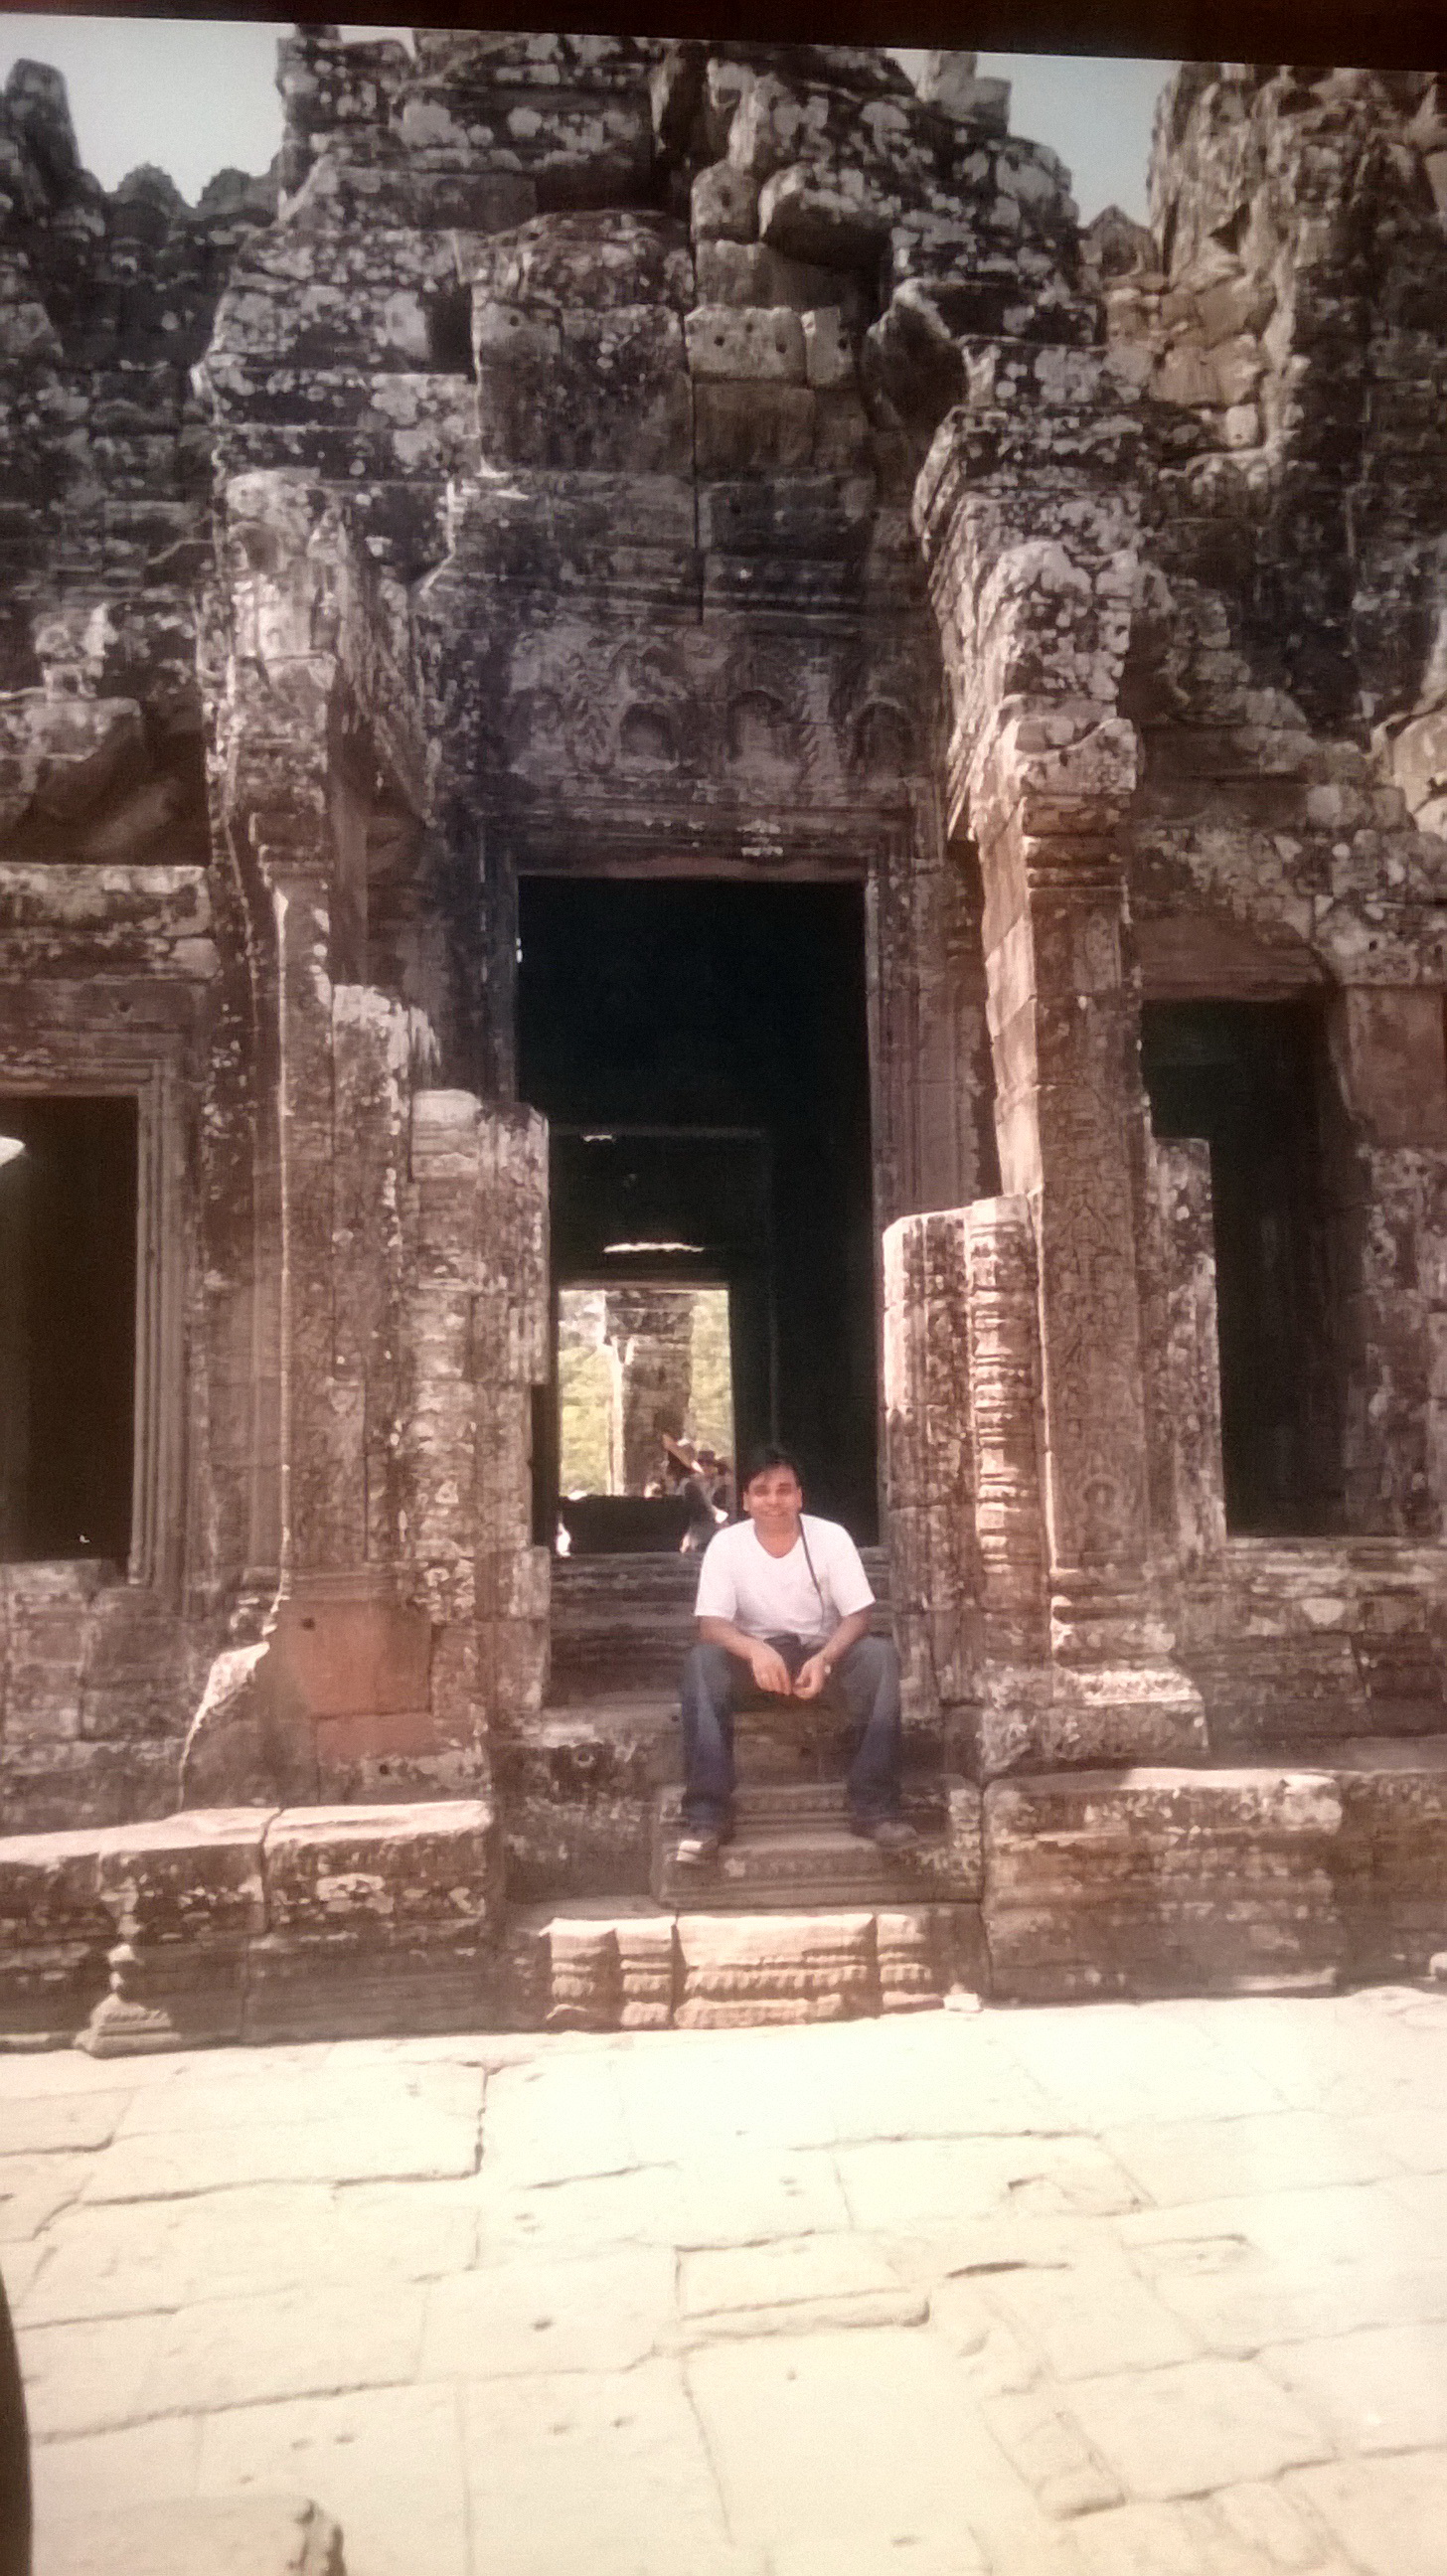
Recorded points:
(784, 1607)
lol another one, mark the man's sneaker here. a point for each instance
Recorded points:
(695, 1851)
(887, 1833)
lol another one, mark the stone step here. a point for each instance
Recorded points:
(792, 1846)
(629, 1965)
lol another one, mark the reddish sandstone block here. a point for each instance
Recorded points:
(351, 1656)
(363, 1739)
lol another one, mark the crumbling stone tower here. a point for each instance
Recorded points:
(609, 465)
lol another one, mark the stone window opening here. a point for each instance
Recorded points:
(1246, 1078)
(449, 332)
(69, 1206)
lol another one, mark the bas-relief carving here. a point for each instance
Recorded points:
(753, 718)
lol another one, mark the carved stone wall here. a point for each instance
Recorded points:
(623, 455)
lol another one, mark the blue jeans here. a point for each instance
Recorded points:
(715, 1683)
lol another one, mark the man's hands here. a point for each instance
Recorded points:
(770, 1671)
(810, 1678)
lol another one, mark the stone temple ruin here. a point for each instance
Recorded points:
(650, 647)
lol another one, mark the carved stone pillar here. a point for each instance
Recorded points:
(1189, 1362)
(1042, 767)
(1387, 1047)
(652, 1332)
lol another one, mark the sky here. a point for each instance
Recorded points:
(197, 96)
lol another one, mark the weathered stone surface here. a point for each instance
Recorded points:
(475, 515)
(1162, 1878)
(217, 2536)
(774, 1968)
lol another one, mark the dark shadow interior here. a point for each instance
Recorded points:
(1246, 1076)
(67, 1327)
(701, 1050)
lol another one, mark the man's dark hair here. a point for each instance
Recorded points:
(760, 1461)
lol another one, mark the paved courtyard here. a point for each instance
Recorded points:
(1150, 2290)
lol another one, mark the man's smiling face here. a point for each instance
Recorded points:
(773, 1500)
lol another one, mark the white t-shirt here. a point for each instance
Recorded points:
(774, 1596)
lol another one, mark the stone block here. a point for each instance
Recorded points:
(191, 1878)
(344, 1655)
(585, 1988)
(724, 204)
(383, 1871)
(807, 218)
(792, 2286)
(49, 1988)
(753, 428)
(828, 351)
(1195, 2425)
(844, 442)
(169, 1994)
(50, 1889)
(1159, 1880)
(1230, 306)
(1044, 2440)
(604, 260)
(355, 1984)
(539, 381)
(1238, 366)
(1393, 1863)
(514, 2320)
(912, 1952)
(1386, 2515)
(758, 344)
(741, 1970)
(1391, 1059)
(647, 1971)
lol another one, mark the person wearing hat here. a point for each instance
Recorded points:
(686, 1481)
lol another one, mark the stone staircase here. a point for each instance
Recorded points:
(792, 1847)
(798, 1919)
(591, 1788)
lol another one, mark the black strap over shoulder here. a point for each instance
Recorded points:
(809, 1561)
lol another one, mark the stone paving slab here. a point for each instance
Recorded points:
(387, 2464)
(1195, 2425)
(1389, 2518)
(1126, 2291)
(520, 2319)
(214, 2536)
(1382, 2388)
(609, 2472)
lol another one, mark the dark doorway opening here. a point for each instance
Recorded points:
(1246, 1076)
(67, 1326)
(701, 1051)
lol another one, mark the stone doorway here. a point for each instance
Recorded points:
(1247, 1077)
(645, 1383)
(68, 1229)
(700, 1050)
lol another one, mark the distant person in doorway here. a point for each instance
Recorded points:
(687, 1481)
(784, 1608)
(718, 1476)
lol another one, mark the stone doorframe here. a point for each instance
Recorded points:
(930, 1104)
(72, 1040)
